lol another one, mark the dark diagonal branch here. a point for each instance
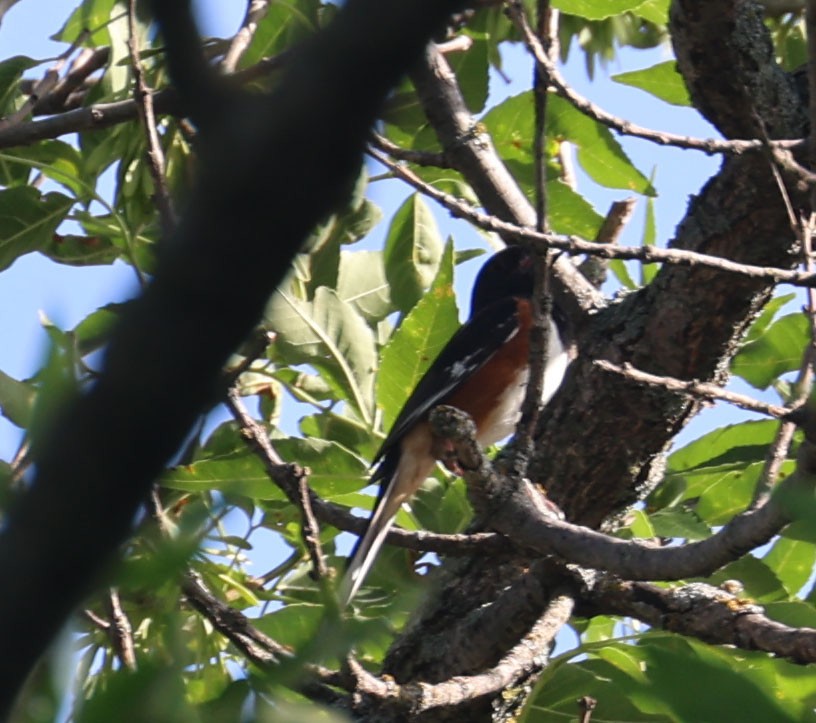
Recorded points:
(106, 446)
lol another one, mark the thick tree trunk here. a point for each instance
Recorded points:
(611, 434)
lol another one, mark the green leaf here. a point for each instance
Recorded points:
(797, 614)
(238, 473)
(719, 684)
(596, 9)
(56, 160)
(793, 555)
(418, 341)
(662, 81)
(329, 334)
(471, 70)
(720, 470)
(600, 155)
(638, 526)
(94, 330)
(760, 582)
(442, 507)
(679, 522)
(284, 24)
(333, 470)
(91, 15)
(11, 71)
(361, 282)
(649, 238)
(655, 11)
(776, 351)
(569, 212)
(722, 491)
(294, 625)
(557, 690)
(747, 441)
(16, 400)
(74, 250)
(413, 248)
(154, 692)
(349, 433)
(511, 126)
(619, 268)
(769, 312)
(28, 221)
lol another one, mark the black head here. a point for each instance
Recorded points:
(510, 272)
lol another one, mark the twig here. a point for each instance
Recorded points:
(616, 219)
(574, 245)
(101, 623)
(256, 646)
(42, 87)
(256, 11)
(21, 462)
(120, 631)
(287, 477)
(457, 44)
(420, 158)
(526, 657)
(593, 268)
(68, 91)
(697, 389)
(625, 127)
(538, 362)
(541, 301)
(310, 530)
(586, 704)
(778, 450)
(155, 155)
(472, 153)
(547, 28)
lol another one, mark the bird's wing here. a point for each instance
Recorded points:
(466, 352)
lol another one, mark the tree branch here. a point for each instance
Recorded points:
(705, 612)
(106, 446)
(574, 245)
(521, 514)
(529, 655)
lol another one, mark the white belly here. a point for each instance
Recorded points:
(505, 415)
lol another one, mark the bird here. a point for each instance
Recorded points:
(483, 370)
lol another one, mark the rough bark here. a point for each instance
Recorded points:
(611, 434)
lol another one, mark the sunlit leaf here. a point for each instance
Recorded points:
(661, 80)
(596, 9)
(776, 351)
(329, 334)
(413, 248)
(418, 341)
(16, 400)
